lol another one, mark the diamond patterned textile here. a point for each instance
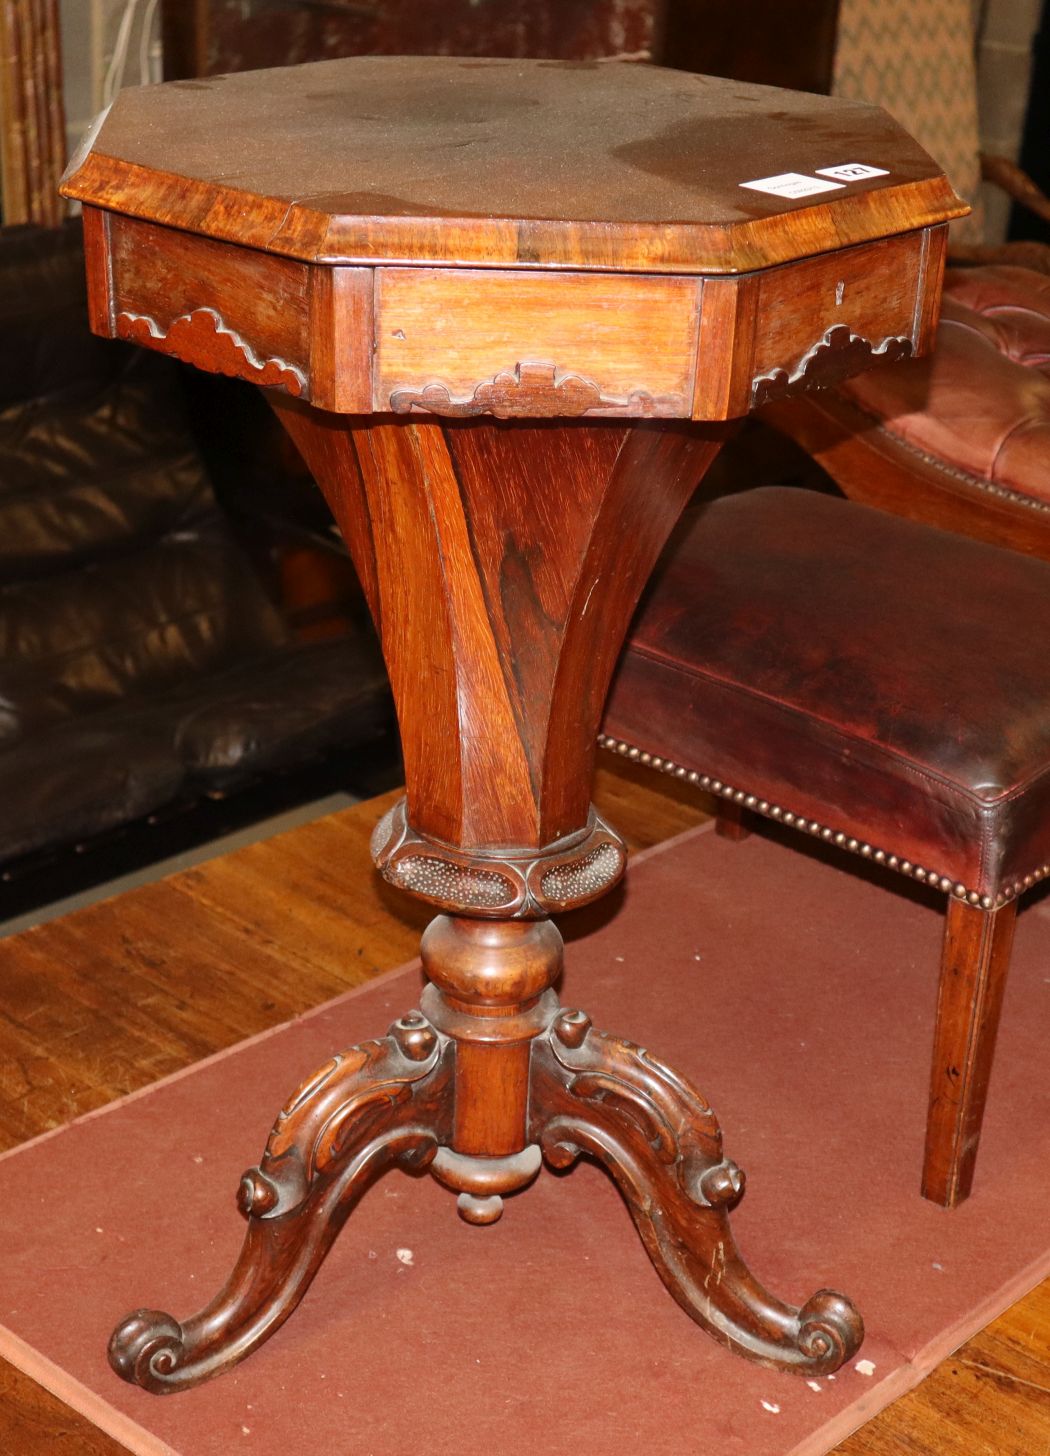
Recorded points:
(916, 59)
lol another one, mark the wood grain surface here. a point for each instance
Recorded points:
(975, 963)
(117, 995)
(164, 275)
(500, 611)
(533, 163)
(622, 335)
(872, 290)
(461, 342)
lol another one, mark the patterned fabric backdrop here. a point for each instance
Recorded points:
(916, 58)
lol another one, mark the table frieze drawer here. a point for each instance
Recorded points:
(226, 309)
(811, 324)
(467, 342)
(809, 313)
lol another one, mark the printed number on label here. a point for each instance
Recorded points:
(851, 172)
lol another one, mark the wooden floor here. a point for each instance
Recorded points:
(121, 993)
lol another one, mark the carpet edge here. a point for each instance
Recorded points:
(840, 1426)
(74, 1394)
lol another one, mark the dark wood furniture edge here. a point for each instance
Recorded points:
(334, 362)
(296, 231)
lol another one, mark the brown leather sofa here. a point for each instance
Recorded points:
(142, 658)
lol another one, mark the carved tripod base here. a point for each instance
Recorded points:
(509, 1069)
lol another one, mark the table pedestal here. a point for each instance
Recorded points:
(502, 563)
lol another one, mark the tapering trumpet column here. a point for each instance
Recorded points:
(502, 561)
(501, 614)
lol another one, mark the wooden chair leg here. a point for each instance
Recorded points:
(974, 962)
(732, 821)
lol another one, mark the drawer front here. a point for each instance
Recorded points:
(871, 291)
(811, 324)
(463, 342)
(225, 309)
(513, 343)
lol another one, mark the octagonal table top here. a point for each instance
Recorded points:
(507, 163)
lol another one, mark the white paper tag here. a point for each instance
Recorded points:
(791, 184)
(851, 172)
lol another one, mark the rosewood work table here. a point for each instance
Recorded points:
(506, 311)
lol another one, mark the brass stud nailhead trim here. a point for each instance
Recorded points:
(980, 482)
(822, 831)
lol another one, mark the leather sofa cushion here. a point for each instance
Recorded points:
(43, 316)
(97, 470)
(96, 453)
(877, 677)
(981, 402)
(141, 658)
(135, 625)
(81, 777)
(301, 701)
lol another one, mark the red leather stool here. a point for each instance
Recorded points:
(878, 684)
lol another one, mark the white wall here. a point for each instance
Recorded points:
(90, 30)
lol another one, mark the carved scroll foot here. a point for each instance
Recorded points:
(382, 1103)
(595, 1094)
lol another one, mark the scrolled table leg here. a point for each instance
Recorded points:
(380, 1104)
(597, 1094)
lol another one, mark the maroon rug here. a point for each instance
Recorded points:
(798, 996)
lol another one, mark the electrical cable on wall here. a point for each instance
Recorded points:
(146, 76)
(118, 62)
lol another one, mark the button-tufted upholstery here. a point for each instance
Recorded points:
(961, 438)
(981, 402)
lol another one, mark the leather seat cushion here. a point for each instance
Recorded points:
(980, 403)
(78, 780)
(880, 678)
(141, 657)
(83, 776)
(83, 641)
(298, 702)
(48, 347)
(97, 470)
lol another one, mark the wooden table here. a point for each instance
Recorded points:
(505, 310)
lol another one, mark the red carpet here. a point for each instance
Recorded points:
(800, 999)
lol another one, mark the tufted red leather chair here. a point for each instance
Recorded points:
(960, 439)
